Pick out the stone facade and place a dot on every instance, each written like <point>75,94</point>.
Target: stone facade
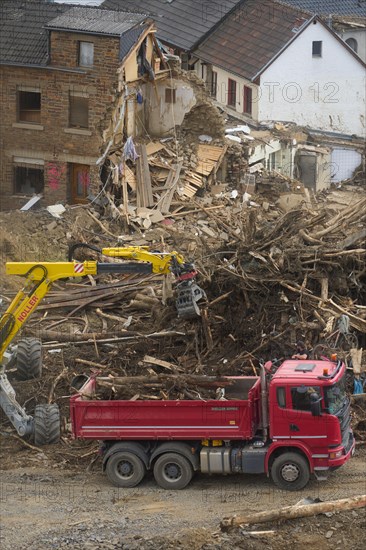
<point>54,143</point>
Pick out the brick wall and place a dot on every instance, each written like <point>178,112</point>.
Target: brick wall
<point>53,141</point>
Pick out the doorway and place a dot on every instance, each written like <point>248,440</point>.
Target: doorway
<point>79,183</point>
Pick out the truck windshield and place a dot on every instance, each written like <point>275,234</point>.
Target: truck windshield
<point>335,396</point>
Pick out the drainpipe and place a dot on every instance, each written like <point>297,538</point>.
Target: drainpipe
<point>264,403</point>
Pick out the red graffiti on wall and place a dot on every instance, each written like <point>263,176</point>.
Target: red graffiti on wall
<point>55,173</point>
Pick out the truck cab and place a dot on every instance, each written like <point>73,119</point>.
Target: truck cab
<point>309,414</point>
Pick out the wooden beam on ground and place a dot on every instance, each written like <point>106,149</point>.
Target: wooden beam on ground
<point>290,512</point>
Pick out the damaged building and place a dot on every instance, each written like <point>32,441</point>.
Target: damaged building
<point>59,85</point>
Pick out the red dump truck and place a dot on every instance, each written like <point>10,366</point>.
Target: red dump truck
<point>288,423</point>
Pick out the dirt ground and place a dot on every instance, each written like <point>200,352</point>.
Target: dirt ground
<point>46,506</point>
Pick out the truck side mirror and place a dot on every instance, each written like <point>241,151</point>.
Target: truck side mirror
<point>315,404</point>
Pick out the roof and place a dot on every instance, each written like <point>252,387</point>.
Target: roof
<point>251,36</point>
<point>292,369</point>
<point>23,39</point>
<point>129,39</point>
<point>25,26</point>
<point>96,21</point>
<point>180,23</point>
<point>330,7</point>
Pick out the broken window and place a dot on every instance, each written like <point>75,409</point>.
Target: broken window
<point>352,42</point>
<point>214,84</point>
<point>248,95</point>
<point>86,54</point>
<point>170,95</point>
<point>28,178</point>
<point>231,96</point>
<point>317,48</point>
<point>29,106</point>
<point>79,111</point>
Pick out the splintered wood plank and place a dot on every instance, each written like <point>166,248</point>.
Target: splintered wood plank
<point>153,147</point>
<point>130,178</point>
<point>144,196</point>
<point>170,186</point>
<point>209,158</point>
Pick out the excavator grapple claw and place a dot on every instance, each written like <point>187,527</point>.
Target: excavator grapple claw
<point>188,296</point>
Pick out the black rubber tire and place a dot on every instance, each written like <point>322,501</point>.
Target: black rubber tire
<point>125,469</point>
<point>29,359</point>
<point>47,426</point>
<point>173,471</point>
<point>292,466</point>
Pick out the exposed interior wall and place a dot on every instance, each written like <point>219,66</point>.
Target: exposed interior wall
<point>164,114</point>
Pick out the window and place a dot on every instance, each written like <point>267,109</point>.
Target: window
<point>301,397</point>
<point>248,94</point>
<point>281,397</point>
<point>79,111</point>
<point>29,107</point>
<point>317,48</point>
<point>352,42</point>
<point>231,96</point>
<point>214,84</point>
<point>170,95</point>
<point>28,178</point>
<point>86,54</point>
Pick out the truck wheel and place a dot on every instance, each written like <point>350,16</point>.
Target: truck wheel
<point>290,471</point>
<point>125,469</point>
<point>46,424</point>
<point>172,471</point>
<point>29,359</point>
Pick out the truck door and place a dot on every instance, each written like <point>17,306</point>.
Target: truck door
<point>291,417</point>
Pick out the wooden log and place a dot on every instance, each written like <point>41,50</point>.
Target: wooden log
<point>290,512</point>
<point>126,339</point>
<point>164,364</point>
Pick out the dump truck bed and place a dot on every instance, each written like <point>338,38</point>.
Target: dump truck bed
<point>236,417</point>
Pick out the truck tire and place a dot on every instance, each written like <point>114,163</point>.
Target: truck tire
<point>46,424</point>
<point>29,359</point>
<point>125,469</point>
<point>172,471</point>
<point>290,471</point>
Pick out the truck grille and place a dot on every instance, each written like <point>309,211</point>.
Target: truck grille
<point>345,423</point>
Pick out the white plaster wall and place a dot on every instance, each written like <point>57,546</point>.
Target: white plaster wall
<point>325,93</point>
<point>161,117</point>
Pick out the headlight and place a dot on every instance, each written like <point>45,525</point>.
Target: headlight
<point>337,454</point>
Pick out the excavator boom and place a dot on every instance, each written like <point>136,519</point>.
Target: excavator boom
<point>187,290</point>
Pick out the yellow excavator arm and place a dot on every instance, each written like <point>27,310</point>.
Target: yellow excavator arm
<point>39,278</point>
<point>152,261</point>
<point>161,262</point>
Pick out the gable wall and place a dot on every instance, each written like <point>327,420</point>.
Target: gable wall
<point>325,93</point>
